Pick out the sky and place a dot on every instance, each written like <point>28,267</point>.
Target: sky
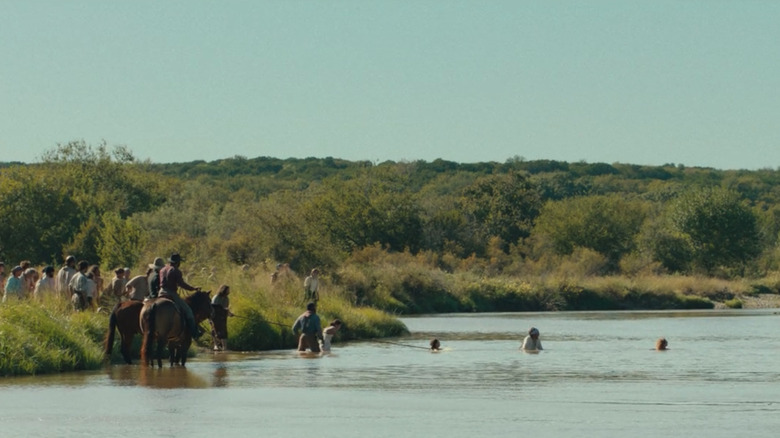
<point>639,82</point>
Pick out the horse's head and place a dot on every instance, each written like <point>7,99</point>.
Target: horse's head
<point>200,302</point>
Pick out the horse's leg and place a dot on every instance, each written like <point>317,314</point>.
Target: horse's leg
<point>160,345</point>
<point>183,349</point>
<point>127,341</point>
<point>172,353</point>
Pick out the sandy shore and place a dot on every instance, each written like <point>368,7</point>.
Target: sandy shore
<point>760,301</point>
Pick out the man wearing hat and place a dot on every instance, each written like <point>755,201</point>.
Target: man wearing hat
<point>153,279</point>
<point>13,287</point>
<point>67,272</point>
<point>171,279</point>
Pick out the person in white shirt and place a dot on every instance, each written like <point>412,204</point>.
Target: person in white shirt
<point>532,342</point>
<point>63,277</point>
<point>45,286</point>
<point>311,287</point>
<point>138,287</point>
<point>328,333</point>
<point>78,287</point>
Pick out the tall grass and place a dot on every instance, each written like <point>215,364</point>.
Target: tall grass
<point>265,312</point>
<point>38,338</point>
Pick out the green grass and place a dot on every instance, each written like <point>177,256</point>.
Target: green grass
<point>45,338</point>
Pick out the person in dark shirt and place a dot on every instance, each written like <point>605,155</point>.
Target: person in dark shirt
<point>171,279</point>
<point>310,327</point>
<point>154,277</point>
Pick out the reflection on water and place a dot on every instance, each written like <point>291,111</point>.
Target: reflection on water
<point>598,376</point>
<point>162,378</point>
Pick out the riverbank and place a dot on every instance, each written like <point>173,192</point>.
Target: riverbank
<point>48,337</point>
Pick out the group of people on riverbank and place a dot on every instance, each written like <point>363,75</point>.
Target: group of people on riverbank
<point>82,279</point>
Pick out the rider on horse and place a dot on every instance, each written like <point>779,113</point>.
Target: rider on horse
<point>171,280</point>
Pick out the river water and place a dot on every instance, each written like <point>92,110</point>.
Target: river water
<point>598,376</point>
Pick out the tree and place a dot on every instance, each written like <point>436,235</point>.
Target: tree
<point>371,208</point>
<point>37,215</point>
<point>605,224</point>
<point>120,241</point>
<point>722,230</point>
<point>503,205</point>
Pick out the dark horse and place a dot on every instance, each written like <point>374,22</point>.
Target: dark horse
<point>124,317</point>
<point>161,321</point>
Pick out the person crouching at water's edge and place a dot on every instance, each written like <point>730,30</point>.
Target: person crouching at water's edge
<point>532,342</point>
<point>310,327</point>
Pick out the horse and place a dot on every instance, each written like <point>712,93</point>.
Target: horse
<point>125,318</point>
<point>160,320</point>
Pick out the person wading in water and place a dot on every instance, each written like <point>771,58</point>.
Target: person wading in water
<point>310,327</point>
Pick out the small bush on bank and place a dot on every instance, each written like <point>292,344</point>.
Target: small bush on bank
<point>735,303</point>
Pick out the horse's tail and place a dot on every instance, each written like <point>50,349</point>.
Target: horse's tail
<point>151,327</point>
<point>109,342</point>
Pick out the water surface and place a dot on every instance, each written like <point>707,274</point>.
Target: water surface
<point>598,376</point>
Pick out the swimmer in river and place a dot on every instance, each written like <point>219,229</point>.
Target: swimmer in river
<point>435,345</point>
<point>661,344</point>
<point>532,342</point>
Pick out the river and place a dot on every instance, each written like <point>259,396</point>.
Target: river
<point>598,376</point>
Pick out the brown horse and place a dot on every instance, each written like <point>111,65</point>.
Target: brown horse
<point>160,320</point>
<point>125,318</point>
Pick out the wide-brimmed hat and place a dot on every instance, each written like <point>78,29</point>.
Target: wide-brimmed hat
<point>175,258</point>
<point>159,263</point>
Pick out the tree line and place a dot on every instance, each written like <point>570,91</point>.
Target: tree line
<point>513,218</point>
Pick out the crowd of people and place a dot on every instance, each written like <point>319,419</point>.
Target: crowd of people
<point>80,282</point>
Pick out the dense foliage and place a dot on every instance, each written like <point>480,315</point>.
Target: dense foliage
<point>514,219</point>
<point>390,238</point>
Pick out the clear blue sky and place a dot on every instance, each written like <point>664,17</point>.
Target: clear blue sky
<point>642,82</point>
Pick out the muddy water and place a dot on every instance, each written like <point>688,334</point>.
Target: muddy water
<point>598,376</point>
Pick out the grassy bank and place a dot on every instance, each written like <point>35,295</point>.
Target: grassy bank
<point>408,284</point>
<point>366,294</point>
<point>38,338</point>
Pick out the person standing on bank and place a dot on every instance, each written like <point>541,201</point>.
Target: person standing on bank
<point>14,286</point>
<point>78,286</point>
<point>311,287</point>
<point>171,280</point>
<point>310,327</point>
<point>64,275</point>
<point>532,342</point>
<point>117,286</point>
<point>45,286</point>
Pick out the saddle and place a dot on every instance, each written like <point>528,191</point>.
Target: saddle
<point>159,299</point>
